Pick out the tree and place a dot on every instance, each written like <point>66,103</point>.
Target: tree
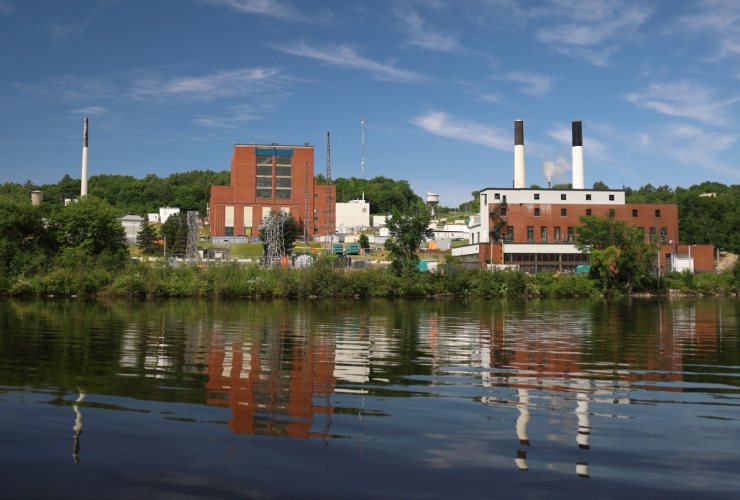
<point>24,241</point>
<point>90,227</point>
<point>175,232</point>
<point>408,228</point>
<point>600,186</point>
<point>619,252</point>
<point>282,225</point>
<point>364,242</point>
<point>146,237</point>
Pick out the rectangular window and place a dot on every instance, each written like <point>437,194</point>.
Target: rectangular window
<point>543,234</point>
<point>228,231</point>
<point>315,211</point>
<point>571,234</point>
<point>264,177</point>
<point>496,196</point>
<point>316,196</point>
<point>657,213</point>
<point>536,212</point>
<point>664,235</point>
<point>530,234</point>
<point>510,234</point>
<point>315,219</point>
<point>563,212</point>
<point>588,197</point>
<point>283,171</point>
<point>556,236</point>
<point>611,197</point>
<point>652,233</point>
<point>634,212</point>
<point>503,212</point>
<point>588,211</point>
<point>562,196</point>
<point>537,196</point>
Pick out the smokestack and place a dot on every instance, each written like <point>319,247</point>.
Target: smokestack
<point>519,155</point>
<point>578,155</point>
<point>83,187</point>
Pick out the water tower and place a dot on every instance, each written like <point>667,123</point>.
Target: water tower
<point>432,202</point>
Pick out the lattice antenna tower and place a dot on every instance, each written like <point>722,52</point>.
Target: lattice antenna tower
<point>306,213</point>
<point>192,248</point>
<point>271,229</point>
<point>329,211</point>
<point>363,148</point>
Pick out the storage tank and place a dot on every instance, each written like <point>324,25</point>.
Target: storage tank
<point>36,198</point>
<point>432,201</point>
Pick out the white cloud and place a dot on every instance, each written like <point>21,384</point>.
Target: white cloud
<point>345,56</point>
<point>720,19</point>
<point>270,8</point>
<point>425,38</point>
<point>690,146</point>
<point>535,85</point>
<point>89,111</point>
<point>684,99</point>
<point>593,30</point>
<point>439,123</point>
<point>591,147</point>
<point>236,116</point>
<point>223,84</point>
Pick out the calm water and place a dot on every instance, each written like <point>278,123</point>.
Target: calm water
<point>377,399</point>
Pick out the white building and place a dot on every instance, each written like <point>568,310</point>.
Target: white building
<point>352,216</point>
<point>131,224</point>
<point>166,212</point>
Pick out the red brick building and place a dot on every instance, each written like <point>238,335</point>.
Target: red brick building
<point>270,178</point>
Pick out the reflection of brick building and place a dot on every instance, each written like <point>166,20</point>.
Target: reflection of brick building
<point>267,178</point>
<point>265,397</point>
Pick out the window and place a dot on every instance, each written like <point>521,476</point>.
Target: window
<point>664,235</point>
<point>556,236</point>
<point>228,231</point>
<point>571,234</point>
<point>562,196</point>
<point>563,212</point>
<point>536,212</point>
<point>316,196</point>
<point>510,234</point>
<point>588,197</point>
<point>496,196</point>
<point>315,219</point>
<point>588,211</point>
<point>264,177</point>
<point>611,197</point>
<point>634,212</point>
<point>503,212</point>
<point>315,211</point>
<point>657,213</point>
<point>283,177</point>
<point>537,196</point>
<point>543,234</point>
<point>530,234</point>
<point>652,233</point>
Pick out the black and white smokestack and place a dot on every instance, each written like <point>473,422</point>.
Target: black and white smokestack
<point>578,177</point>
<point>519,182</point>
<point>83,183</point>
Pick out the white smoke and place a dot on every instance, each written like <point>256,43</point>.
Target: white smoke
<point>555,168</point>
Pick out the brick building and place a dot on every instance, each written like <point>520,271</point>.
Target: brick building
<point>534,229</point>
<point>267,178</point>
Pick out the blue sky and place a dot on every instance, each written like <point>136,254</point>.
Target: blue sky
<point>170,86</point>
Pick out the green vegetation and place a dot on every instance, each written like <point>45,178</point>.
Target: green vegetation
<point>408,229</point>
<point>381,193</point>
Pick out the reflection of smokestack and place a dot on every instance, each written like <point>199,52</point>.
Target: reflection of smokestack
<point>577,154</point>
<point>582,469</point>
<point>83,187</point>
<point>521,460</point>
<point>519,154</point>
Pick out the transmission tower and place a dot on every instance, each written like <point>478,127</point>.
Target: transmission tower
<point>192,249</point>
<point>329,211</point>
<point>271,229</point>
<point>363,148</point>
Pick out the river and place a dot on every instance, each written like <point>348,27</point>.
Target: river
<point>453,398</point>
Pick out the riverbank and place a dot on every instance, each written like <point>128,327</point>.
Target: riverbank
<point>324,280</point>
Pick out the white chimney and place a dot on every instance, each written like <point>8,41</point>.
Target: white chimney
<point>519,181</point>
<point>83,187</point>
<point>578,182</point>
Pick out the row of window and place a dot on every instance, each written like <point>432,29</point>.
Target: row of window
<point>564,212</point>
<point>281,167</point>
<point>545,257</point>
<point>563,197</point>
<point>569,237</point>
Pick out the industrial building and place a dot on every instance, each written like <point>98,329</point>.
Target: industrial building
<point>271,178</point>
<point>534,229</point>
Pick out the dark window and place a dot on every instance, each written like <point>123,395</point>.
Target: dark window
<point>556,237</point>
<point>562,196</point>
<point>536,212</point>
<point>563,212</point>
<point>537,196</point>
<point>228,231</point>
<point>611,197</point>
<point>283,170</point>
<point>588,197</point>
<point>634,212</point>
<point>496,196</point>
<point>510,234</point>
<point>588,211</point>
<point>571,234</point>
<point>543,234</point>
<point>657,213</point>
<point>264,177</point>
<point>503,212</point>
<point>315,196</point>
<point>652,233</point>
<point>663,234</point>
<point>530,234</point>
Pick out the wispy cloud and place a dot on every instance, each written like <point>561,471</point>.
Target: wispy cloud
<point>691,146</point>
<point>237,115</point>
<point>534,84</point>
<point>684,99</point>
<point>345,56</point>
<point>591,147</point>
<point>424,37</point>
<point>270,8</point>
<point>67,32</point>
<point>720,19</point>
<point>70,87</point>
<point>223,84</point>
<point>439,123</point>
<point>89,111</point>
<point>593,30</point>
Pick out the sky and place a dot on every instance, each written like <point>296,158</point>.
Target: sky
<point>171,85</point>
